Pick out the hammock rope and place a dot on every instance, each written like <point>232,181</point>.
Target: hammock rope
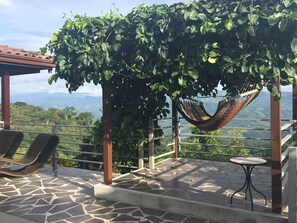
<point>194,112</point>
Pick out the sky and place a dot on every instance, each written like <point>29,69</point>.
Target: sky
<point>29,24</point>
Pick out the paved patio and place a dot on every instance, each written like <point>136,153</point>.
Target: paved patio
<point>196,187</point>
<point>69,198</point>
<point>200,180</point>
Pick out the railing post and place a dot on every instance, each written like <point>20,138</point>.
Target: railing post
<point>292,183</point>
<point>55,154</point>
<point>175,131</point>
<point>140,156</point>
<point>151,145</point>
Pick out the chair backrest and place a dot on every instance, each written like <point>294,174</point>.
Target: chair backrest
<point>39,144</point>
<point>52,143</point>
<point>9,142</point>
<point>47,150</point>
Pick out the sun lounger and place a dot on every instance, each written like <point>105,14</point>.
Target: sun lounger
<point>46,144</point>
<point>9,142</point>
<point>33,151</point>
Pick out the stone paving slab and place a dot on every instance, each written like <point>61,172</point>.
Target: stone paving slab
<point>69,198</point>
<point>5,218</point>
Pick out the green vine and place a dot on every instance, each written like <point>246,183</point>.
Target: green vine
<point>182,49</point>
<point>179,50</point>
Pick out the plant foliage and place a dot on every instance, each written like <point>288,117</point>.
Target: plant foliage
<point>179,50</point>
<point>182,49</point>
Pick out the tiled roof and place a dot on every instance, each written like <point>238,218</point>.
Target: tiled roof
<point>4,49</point>
<point>16,55</point>
<point>17,61</point>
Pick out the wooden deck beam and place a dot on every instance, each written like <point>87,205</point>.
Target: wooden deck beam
<point>276,153</point>
<point>5,84</point>
<point>107,141</point>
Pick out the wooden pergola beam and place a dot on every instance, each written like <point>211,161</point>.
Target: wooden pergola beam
<point>276,153</point>
<point>5,98</point>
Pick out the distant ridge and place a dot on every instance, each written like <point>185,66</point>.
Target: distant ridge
<point>81,102</point>
<point>259,108</point>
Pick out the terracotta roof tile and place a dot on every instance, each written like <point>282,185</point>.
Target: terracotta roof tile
<point>19,61</point>
<point>4,49</point>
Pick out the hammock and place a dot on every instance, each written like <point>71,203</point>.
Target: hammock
<point>194,112</point>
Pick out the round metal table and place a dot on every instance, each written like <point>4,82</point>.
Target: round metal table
<point>248,164</point>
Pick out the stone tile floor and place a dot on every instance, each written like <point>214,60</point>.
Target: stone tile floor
<point>201,180</point>
<point>69,198</point>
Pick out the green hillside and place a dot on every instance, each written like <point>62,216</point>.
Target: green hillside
<point>259,108</point>
<point>68,110</point>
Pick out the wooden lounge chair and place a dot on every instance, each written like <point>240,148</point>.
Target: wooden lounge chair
<point>33,151</point>
<point>46,148</point>
<point>9,142</point>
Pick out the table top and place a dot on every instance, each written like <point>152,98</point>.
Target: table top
<point>248,161</point>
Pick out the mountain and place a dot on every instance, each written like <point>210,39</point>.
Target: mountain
<point>81,102</point>
<point>259,108</point>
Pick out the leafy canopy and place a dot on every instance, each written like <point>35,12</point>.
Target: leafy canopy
<point>182,49</point>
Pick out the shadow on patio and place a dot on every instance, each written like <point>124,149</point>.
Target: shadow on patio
<point>69,198</point>
<point>200,180</point>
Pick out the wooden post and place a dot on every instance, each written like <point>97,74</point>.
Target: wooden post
<point>140,156</point>
<point>175,129</point>
<point>6,99</point>
<point>276,153</point>
<point>55,154</point>
<point>151,145</point>
<point>107,142</point>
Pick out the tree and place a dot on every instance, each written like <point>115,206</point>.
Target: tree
<point>24,113</point>
<point>85,118</point>
<point>179,50</point>
<point>182,49</point>
<point>210,148</point>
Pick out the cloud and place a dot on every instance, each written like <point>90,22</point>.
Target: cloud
<point>35,83</point>
<point>7,3</point>
<point>87,89</point>
<point>37,33</point>
<point>90,89</point>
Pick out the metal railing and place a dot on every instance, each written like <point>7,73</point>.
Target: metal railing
<point>74,137</point>
<point>166,149</point>
<point>289,154</point>
<point>289,170</point>
<point>292,179</point>
<point>228,142</point>
<point>189,142</point>
<point>75,148</point>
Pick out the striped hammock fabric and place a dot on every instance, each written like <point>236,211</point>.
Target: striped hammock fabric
<point>194,112</point>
